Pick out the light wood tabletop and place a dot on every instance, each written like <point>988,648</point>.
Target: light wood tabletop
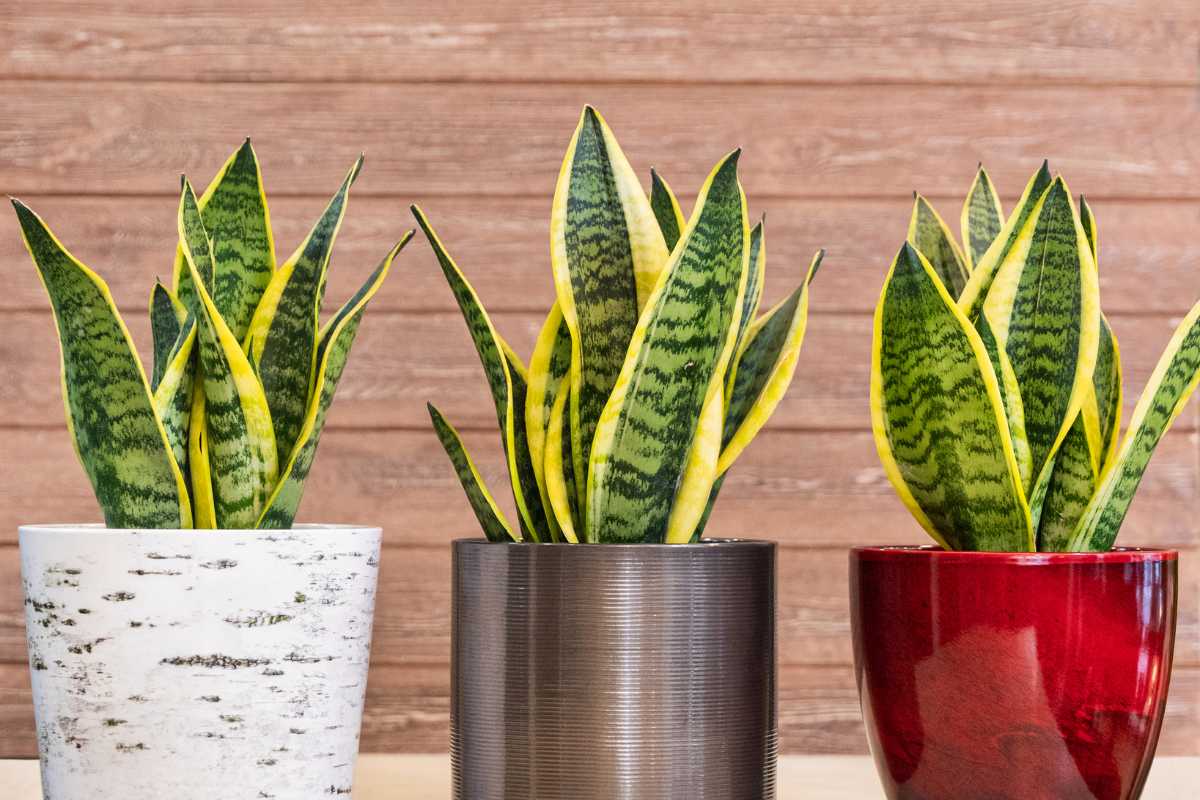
<point>427,777</point>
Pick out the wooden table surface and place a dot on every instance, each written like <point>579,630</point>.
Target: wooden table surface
<point>427,777</point>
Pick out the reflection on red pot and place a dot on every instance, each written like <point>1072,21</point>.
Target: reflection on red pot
<point>1032,676</point>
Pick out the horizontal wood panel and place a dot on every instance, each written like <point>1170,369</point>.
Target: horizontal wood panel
<point>412,620</point>
<point>503,245</point>
<point>426,140</point>
<point>801,488</point>
<point>408,710</point>
<point>402,360</point>
<point>677,41</point>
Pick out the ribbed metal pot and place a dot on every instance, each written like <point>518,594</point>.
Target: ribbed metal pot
<point>613,672</point>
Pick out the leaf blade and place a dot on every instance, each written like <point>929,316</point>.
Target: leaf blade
<point>982,218</point>
<point>928,232</point>
<point>491,518</point>
<point>666,210</point>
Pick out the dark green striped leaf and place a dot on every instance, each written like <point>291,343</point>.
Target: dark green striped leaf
<point>240,439</point>
<point>938,417</point>
<point>282,336</point>
<point>1088,221</point>
<point>928,232</point>
<point>666,210</point>
<point>174,393</point>
<point>490,517</point>
<point>335,340</point>
<point>563,501</point>
<point>982,218</point>
<point>606,251</point>
<point>505,384</point>
<point>550,363</point>
<point>984,271</point>
<point>165,323</point>
<point>754,287</point>
<point>678,354</point>
<point>1069,490</point>
<point>1010,396</point>
<point>194,236</point>
<point>1166,393</point>
<point>118,438</point>
<point>1106,383</point>
<point>1044,309</point>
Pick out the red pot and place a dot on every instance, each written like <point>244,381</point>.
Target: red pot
<point>1032,676</point>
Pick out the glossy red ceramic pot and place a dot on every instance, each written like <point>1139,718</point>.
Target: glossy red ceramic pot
<point>1030,676</point>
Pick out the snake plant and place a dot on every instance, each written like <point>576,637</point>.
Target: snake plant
<point>652,372</point>
<point>223,432</point>
<point>996,378</point>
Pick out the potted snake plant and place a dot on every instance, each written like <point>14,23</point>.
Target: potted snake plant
<point>1023,655</point>
<point>601,619</point>
<point>199,644</point>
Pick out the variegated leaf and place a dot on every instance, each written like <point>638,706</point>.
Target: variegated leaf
<point>1071,487</point>
<point>166,319</point>
<point>675,366</point>
<point>606,251</point>
<point>1010,395</point>
<point>938,417</point>
<point>334,341</point>
<point>173,396</point>
<point>754,289</point>
<point>110,412</point>
<point>281,339</point>
<point>1166,393</point>
<point>240,439</point>
<point>928,232</point>
<point>550,363</point>
<point>1088,220</point>
<point>982,218</point>
<point>204,504</point>
<point>504,385</point>
<point>557,467</point>
<point>666,210</point>
<point>491,518</point>
<point>1106,383</point>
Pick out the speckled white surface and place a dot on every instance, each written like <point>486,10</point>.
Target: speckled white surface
<point>198,664</point>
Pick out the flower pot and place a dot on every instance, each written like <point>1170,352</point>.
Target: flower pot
<point>1033,676</point>
<point>595,672</point>
<point>198,664</point>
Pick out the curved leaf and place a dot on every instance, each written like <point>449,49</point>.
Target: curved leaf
<point>699,471</point>
<point>1088,220</point>
<point>490,517</point>
<point>557,467</point>
<point>199,469</point>
<point>173,396</point>
<point>550,363</point>
<point>928,232</point>
<point>118,438</point>
<point>1071,487</point>
<point>676,364</point>
<point>982,218</point>
<point>166,320</point>
<point>1010,395</point>
<point>938,417</point>
<point>666,210</point>
<point>1106,383</point>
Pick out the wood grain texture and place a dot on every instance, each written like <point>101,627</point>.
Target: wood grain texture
<point>408,710</point>
<point>769,42</point>
<point>428,140</point>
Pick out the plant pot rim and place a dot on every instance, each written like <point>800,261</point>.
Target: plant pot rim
<point>99,527</point>
<point>703,544</point>
<point>913,553</point>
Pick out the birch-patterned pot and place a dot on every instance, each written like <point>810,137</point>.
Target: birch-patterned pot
<point>198,664</point>
<point>613,672</point>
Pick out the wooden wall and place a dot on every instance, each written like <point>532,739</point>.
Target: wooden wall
<point>842,108</point>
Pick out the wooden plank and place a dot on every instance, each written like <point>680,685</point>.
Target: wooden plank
<point>412,621</point>
<point>774,41</point>
<point>814,488</point>
<point>502,243</point>
<point>408,711</point>
<point>402,360</point>
<point>424,140</point>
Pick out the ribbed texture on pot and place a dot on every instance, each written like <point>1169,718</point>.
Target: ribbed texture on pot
<point>608,672</point>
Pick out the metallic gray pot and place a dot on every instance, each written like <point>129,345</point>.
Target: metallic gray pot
<point>613,672</point>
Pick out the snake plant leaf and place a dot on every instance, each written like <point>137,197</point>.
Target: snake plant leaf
<point>240,437</point>
<point>606,252</point>
<point>539,528</point>
<point>676,365</point>
<point>1088,220</point>
<point>1010,395</point>
<point>549,364</point>
<point>699,471</point>
<point>666,209</point>
<point>938,418</point>
<point>1044,309</point>
<point>335,340</point>
<point>765,368</point>
<point>928,232</point>
<point>194,236</point>
<point>984,271</point>
<point>281,339</point>
<point>1166,393</point>
<point>166,320</point>
<point>557,467</point>
<point>204,505</point>
<point>1070,488</point>
<point>490,517</point>
<point>234,211</point>
<point>982,218</point>
<point>110,412</point>
<point>1106,384</point>
<point>754,286</point>
<point>173,396</point>
<point>503,382</point>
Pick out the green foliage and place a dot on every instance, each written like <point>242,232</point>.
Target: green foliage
<point>223,433</point>
<point>996,379</point>
<point>651,373</point>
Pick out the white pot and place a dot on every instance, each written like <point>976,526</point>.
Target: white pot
<point>198,664</point>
